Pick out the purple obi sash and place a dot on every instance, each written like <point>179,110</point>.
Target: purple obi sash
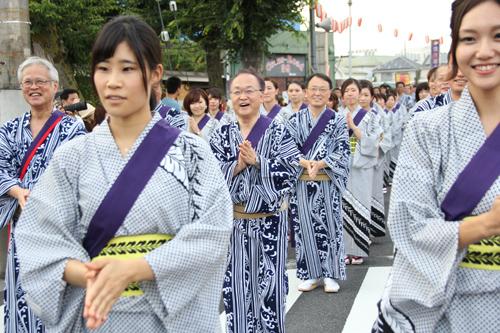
<point>203,121</point>
<point>317,130</point>
<point>47,128</point>
<point>258,130</point>
<point>474,181</point>
<point>124,192</point>
<point>357,119</point>
<point>274,111</point>
<point>219,115</point>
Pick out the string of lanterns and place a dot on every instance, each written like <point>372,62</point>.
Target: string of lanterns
<point>340,26</point>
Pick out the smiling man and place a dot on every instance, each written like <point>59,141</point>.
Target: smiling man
<point>315,205</point>
<point>260,163</point>
<point>27,144</point>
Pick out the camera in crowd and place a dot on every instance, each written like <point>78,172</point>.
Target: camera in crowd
<point>76,107</point>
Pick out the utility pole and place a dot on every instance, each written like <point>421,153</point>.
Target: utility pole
<point>314,62</point>
<point>350,25</point>
<point>15,47</point>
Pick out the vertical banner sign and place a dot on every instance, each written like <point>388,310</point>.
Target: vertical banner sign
<point>434,53</point>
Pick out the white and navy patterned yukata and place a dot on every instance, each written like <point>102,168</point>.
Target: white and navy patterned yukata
<point>186,197</point>
<point>15,139</point>
<point>428,290</point>
<point>174,117</point>
<point>255,285</point>
<point>316,206</point>
<point>430,103</point>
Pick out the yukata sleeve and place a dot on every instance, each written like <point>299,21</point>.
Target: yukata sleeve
<point>386,142</point>
<point>368,144</point>
<point>278,170</point>
<point>221,148</point>
<point>427,245</point>
<point>338,154</point>
<point>72,129</point>
<point>189,269</point>
<point>209,129</point>
<point>8,174</point>
<point>8,177</point>
<point>46,238</point>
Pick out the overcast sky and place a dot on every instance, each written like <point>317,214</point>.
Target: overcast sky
<point>421,17</point>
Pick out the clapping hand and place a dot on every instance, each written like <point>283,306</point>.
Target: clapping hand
<point>247,153</point>
<point>193,126</point>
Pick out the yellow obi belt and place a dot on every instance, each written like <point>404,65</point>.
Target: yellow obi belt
<point>132,247</point>
<point>353,141</point>
<point>239,212</point>
<point>320,177</point>
<point>483,255</point>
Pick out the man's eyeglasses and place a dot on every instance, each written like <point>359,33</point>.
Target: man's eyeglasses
<point>38,83</point>
<point>318,89</point>
<point>247,92</point>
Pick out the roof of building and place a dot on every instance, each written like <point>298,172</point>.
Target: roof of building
<point>363,61</point>
<point>398,64</point>
<point>289,42</point>
<point>186,76</point>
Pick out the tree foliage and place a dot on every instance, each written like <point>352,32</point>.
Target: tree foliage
<point>201,31</point>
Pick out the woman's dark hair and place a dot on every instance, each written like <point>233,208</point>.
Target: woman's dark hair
<point>333,98</point>
<point>347,83</point>
<point>381,96</point>
<point>300,84</point>
<point>421,86</point>
<point>391,94</point>
<point>431,74</point>
<point>215,92</point>
<point>458,10</point>
<point>368,85</point>
<point>322,77</point>
<point>139,36</point>
<point>192,97</point>
<point>275,84</point>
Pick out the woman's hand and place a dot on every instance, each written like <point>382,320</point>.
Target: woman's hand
<point>21,194</point>
<point>193,125</point>
<point>493,218</point>
<point>106,281</point>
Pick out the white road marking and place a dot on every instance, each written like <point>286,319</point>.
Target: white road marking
<point>364,310</point>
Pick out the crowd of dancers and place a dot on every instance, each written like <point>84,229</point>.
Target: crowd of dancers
<point>142,223</point>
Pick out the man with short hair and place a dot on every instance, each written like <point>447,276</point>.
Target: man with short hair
<point>404,97</point>
<point>259,160</point>
<point>69,96</point>
<point>173,85</point>
<point>315,203</point>
<point>27,143</point>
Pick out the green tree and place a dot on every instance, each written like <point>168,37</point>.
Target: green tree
<point>240,27</point>
<point>66,30</point>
